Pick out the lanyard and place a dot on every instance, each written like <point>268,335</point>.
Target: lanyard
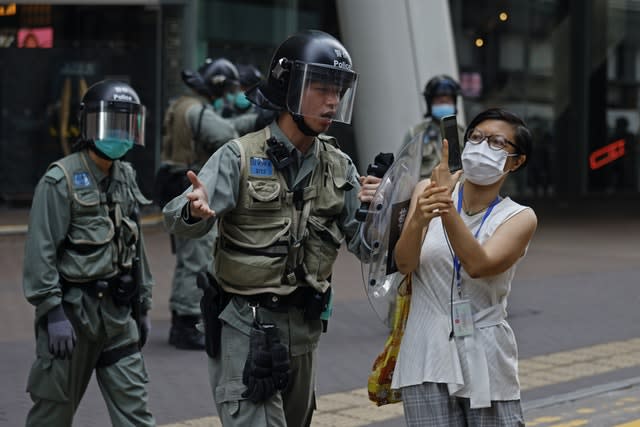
<point>456,261</point>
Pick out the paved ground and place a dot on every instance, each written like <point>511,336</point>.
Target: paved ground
<point>574,309</point>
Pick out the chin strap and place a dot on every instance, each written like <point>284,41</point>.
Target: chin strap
<point>299,120</point>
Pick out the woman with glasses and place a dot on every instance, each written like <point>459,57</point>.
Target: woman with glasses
<point>458,362</point>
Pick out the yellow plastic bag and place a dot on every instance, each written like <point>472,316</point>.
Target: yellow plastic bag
<point>379,384</point>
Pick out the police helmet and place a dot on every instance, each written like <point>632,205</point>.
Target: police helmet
<point>439,86</point>
<point>111,110</point>
<point>249,75</point>
<point>306,58</point>
<point>213,78</point>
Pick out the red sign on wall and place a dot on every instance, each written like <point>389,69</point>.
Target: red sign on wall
<point>607,154</point>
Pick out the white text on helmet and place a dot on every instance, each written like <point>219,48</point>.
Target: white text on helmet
<point>123,93</point>
<point>341,64</point>
<point>122,97</point>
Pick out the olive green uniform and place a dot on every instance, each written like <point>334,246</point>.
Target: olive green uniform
<point>193,131</point>
<point>431,136</point>
<point>81,231</point>
<point>252,205</point>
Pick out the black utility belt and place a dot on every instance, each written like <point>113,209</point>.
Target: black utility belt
<point>277,302</point>
<point>95,288</point>
<point>305,298</point>
<point>121,288</point>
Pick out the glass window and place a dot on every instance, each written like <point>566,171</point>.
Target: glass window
<point>571,70</point>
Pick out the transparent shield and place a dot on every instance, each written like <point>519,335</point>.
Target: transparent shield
<point>383,224</point>
<point>321,91</point>
<point>111,120</point>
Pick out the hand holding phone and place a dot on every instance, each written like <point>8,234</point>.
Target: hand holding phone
<point>449,128</point>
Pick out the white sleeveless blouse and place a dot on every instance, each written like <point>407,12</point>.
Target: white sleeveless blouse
<point>484,367</point>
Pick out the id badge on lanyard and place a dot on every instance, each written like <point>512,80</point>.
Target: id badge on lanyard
<point>462,316</point>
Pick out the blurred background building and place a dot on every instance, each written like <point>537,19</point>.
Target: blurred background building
<point>571,68</point>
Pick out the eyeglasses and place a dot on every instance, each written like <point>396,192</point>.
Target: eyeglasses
<point>496,142</point>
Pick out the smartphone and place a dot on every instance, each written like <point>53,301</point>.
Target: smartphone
<point>449,128</point>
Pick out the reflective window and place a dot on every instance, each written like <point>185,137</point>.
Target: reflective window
<point>571,70</point>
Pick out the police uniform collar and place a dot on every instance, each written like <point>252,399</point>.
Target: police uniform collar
<point>95,171</point>
<point>280,136</point>
<point>277,133</point>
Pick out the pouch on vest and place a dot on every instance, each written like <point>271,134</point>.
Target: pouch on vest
<point>330,199</point>
<point>264,194</point>
<point>129,236</point>
<point>253,253</point>
<point>321,247</point>
<point>89,249</point>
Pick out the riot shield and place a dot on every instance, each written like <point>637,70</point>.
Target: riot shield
<point>383,224</point>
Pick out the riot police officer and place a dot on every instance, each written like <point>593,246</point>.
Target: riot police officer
<point>285,199</point>
<point>441,96</point>
<point>193,129</point>
<point>249,76</point>
<point>86,271</point>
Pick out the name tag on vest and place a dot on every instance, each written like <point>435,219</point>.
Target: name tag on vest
<point>260,167</point>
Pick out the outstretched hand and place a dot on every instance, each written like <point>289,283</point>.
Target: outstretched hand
<point>441,174</point>
<point>198,198</point>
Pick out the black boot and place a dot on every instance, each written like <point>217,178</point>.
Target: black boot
<point>183,333</point>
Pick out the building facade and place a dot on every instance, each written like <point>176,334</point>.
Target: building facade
<point>570,68</point>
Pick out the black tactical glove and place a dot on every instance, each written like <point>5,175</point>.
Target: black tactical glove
<point>257,373</point>
<point>62,338</point>
<point>279,358</point>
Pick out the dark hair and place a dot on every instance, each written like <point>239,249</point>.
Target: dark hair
<point>79,145</point>
<point>523,138</point>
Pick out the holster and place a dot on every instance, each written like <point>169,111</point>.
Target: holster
<point>213,301</point>
<point>124,289</point>
<point>315,303</point>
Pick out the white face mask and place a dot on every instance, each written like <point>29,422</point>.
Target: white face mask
<point>481,164</point>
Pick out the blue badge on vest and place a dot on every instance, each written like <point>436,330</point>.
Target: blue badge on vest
<point>260,167</point>
<point>81,180</point>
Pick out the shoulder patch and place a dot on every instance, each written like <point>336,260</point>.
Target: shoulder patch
<point>81,179</point>
<point>55,174</point>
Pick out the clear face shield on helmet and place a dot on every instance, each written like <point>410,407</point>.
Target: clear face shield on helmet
<point>114,121</point>
<point>321,91</point>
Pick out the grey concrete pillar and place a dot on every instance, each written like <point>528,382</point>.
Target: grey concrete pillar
<point>396,46</point>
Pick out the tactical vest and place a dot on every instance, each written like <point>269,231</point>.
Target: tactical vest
<point>276,239</point>
<point>178,140</point>
<point>102,236</point>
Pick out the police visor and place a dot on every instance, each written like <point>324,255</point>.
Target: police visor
<point>114,120</point>
<point>318,90</point>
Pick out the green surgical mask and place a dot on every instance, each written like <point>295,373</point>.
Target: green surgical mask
<point>242,102</point>
<point>218,104</point>
<point>114,148</point>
